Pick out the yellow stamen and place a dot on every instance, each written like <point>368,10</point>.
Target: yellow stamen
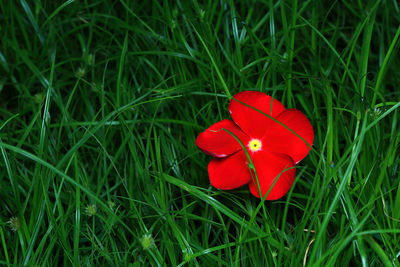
<point>254,145</point>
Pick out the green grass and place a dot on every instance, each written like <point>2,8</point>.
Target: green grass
<point>101,102</point>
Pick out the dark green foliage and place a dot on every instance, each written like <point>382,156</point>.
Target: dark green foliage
<point>101,101</point>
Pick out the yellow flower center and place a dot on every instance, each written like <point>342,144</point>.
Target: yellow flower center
<point>254,145</point>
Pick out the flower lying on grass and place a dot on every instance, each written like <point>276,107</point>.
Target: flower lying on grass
<point>272,143</point>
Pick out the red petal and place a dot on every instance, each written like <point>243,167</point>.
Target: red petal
<point>280,140</point>
<point>230,172</point>
<point>217,142</point>
<point>253,122</point>
<point>271,167</point>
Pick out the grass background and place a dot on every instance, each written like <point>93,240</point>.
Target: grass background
<point>101,101</point>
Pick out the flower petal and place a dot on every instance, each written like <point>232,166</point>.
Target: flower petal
<point>230,172</point>
<point>217,142</point>
<point>280,140</point>
<point>251,121</point>
<point>271,167</point>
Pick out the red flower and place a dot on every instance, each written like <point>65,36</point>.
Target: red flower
<point>273,149</point>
